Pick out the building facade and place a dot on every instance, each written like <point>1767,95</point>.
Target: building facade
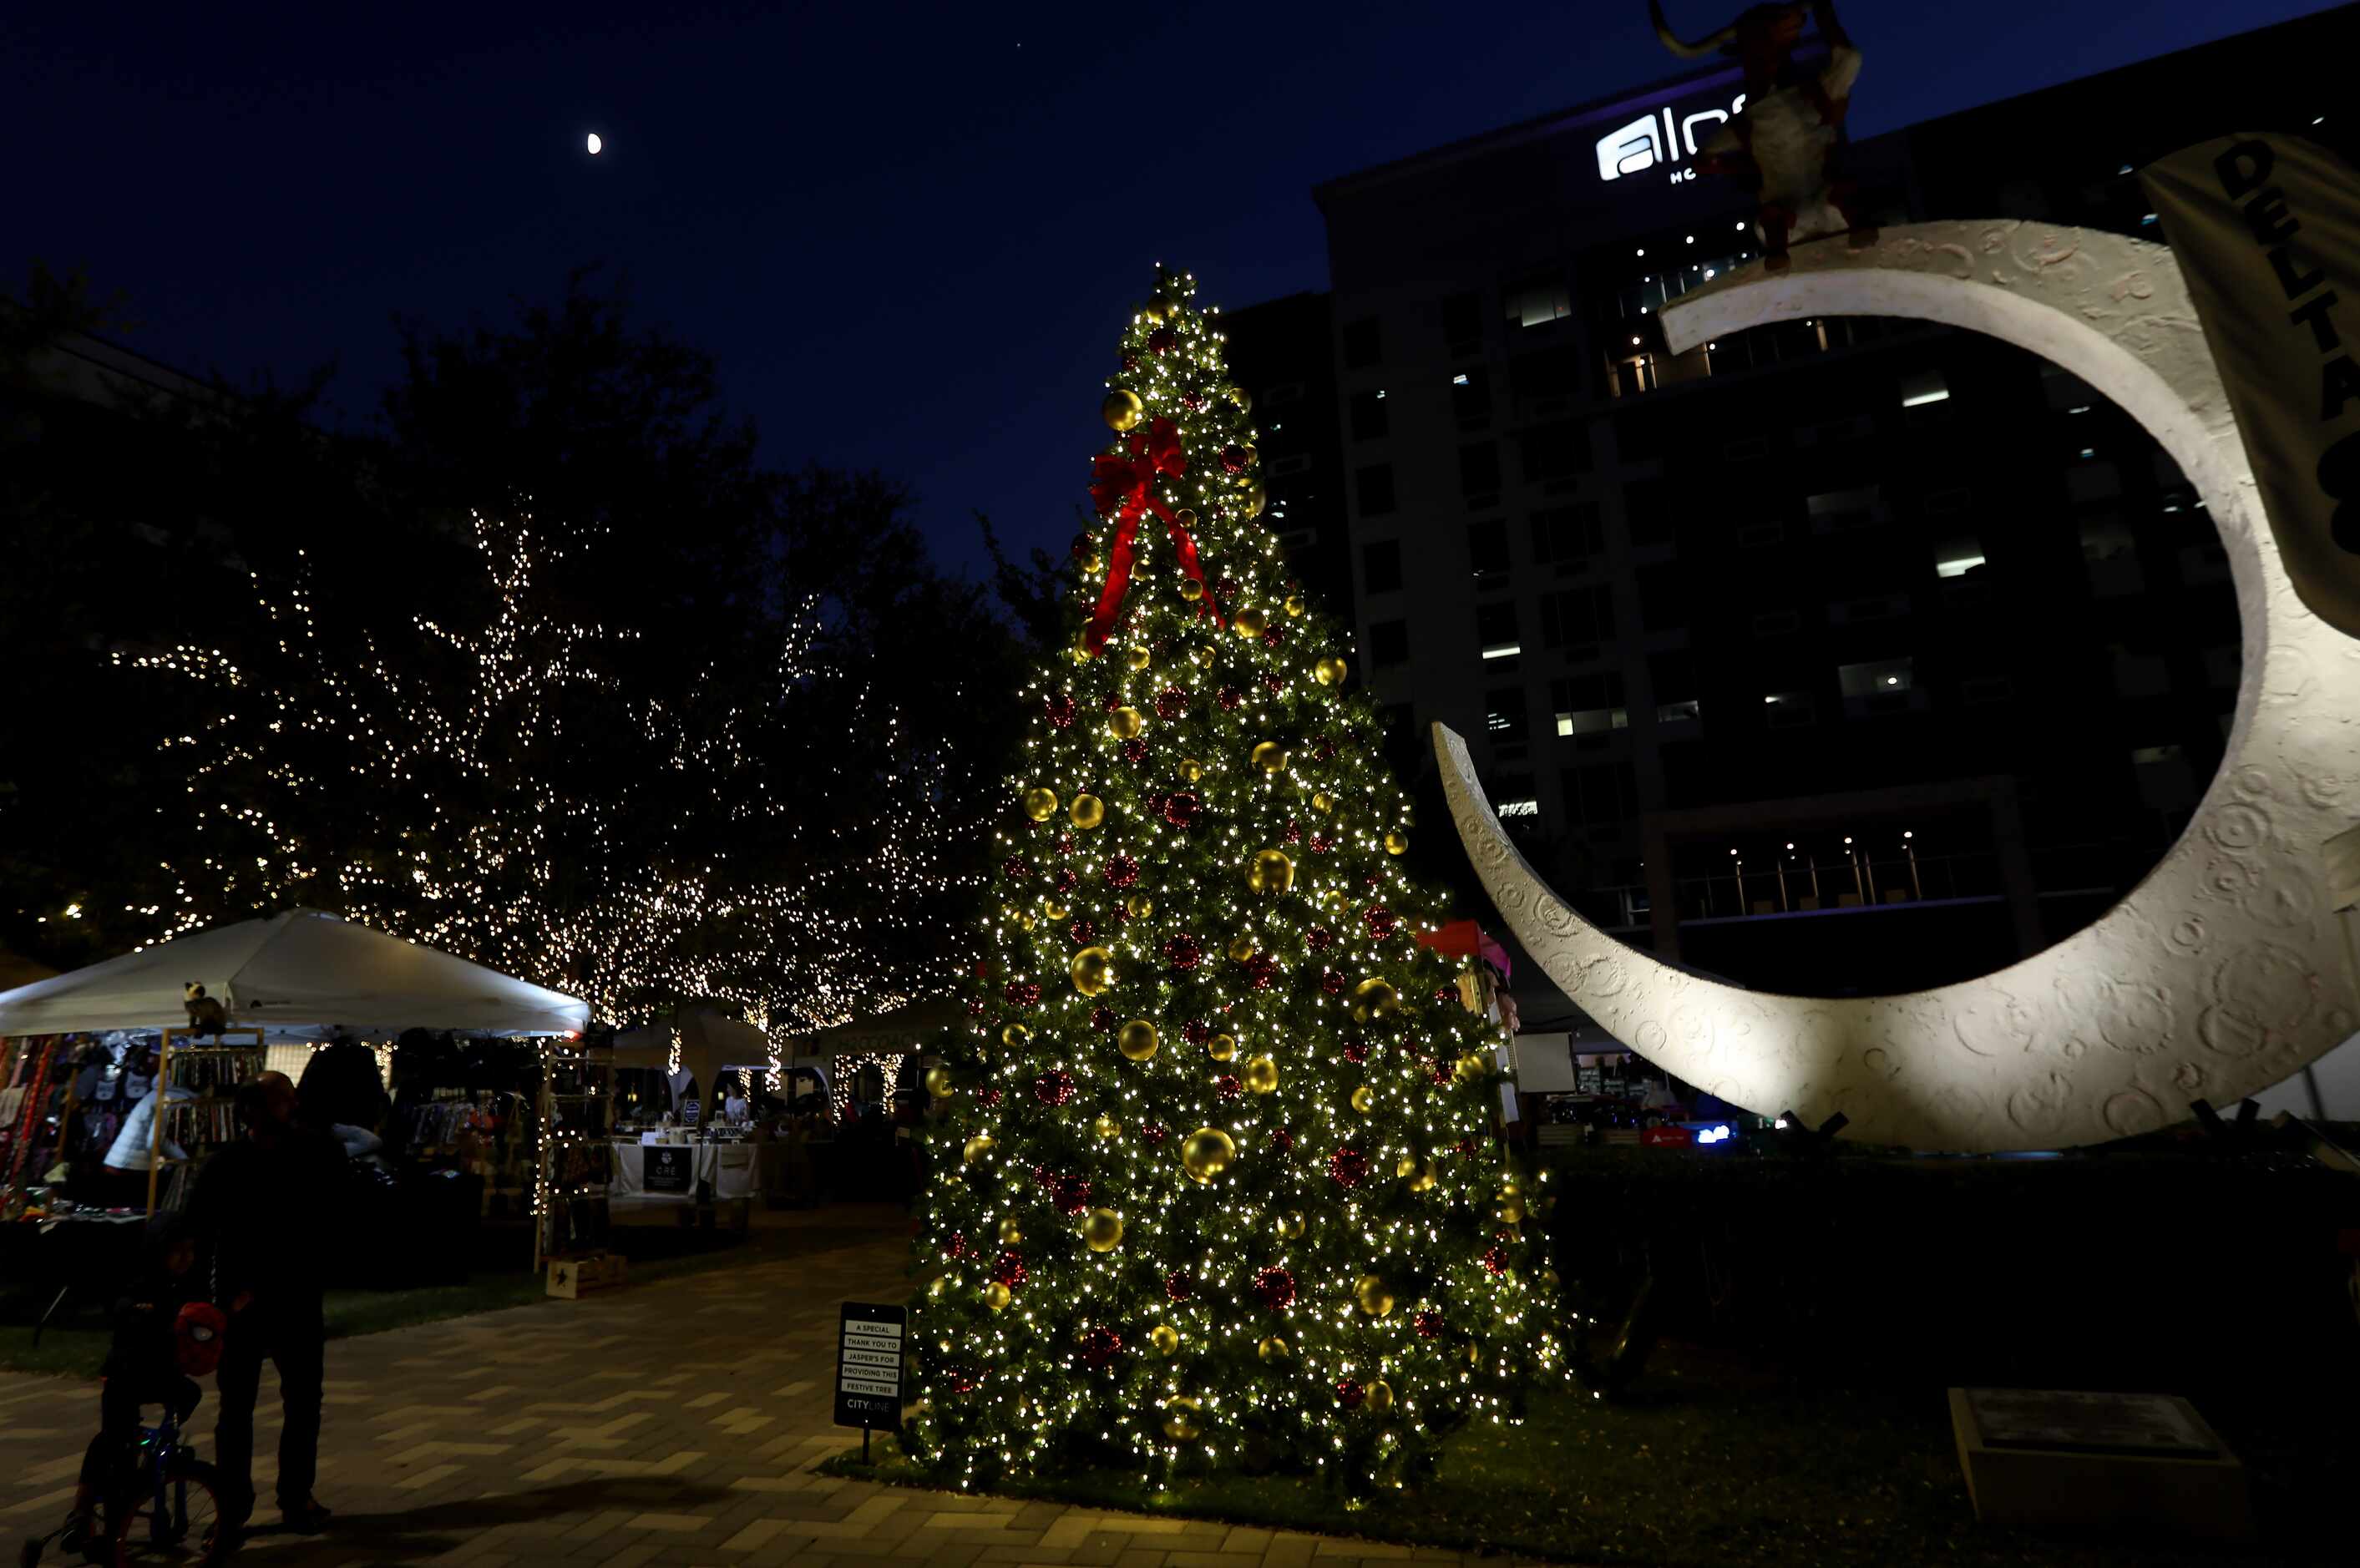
<point>1838,655</point>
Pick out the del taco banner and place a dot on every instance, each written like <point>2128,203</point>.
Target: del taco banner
<point>2267,231</point>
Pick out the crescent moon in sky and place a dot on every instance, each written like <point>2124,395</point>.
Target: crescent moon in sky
<point>2223,971</point>
<point>595,145</point>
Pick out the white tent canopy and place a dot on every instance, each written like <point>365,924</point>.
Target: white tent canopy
<point>710,1043</point>
<point>299,968</point>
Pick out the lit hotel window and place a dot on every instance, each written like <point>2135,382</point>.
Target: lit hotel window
<point>1526,808</point>
<point>1539,302</point>
<point>1495,631</point>
<point>1593,720</point>
<point>1921,387</point>
<point>1956,558</point>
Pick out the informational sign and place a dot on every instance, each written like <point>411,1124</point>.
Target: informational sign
<point>868,1364</point>
<point>2266,232</point>
<point>670,1167</point>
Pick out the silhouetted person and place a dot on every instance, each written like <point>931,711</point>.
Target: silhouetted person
<point>264,1207</point>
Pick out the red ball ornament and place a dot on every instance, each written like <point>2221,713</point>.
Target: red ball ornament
<point>1274,635</point>
<point>1261,970</point>
<point>1070,1194</point>
<point>1196,1031</point>
<point>1428,1323</point>
<point>1053,1088</point>
<point>1318,939</point>
<point>1440,1072</point>
<point>1103,1019</point>
<point>1294,832</point>
<point>1282,1139</point>
<point>1230,698</point>
<point>1274,1288</point>
<point>1121,871</point>
<point>1081,546</point>
<point>1321,844</point>
<point>1182,809</point>
<point>1023,993</point>
<point>1099,1347</point>
<point>1379,922</point>
<point>989,1098</point>
<point>1326,749</point>
<point>1064,843</point>
<point>1184,953</point>
<point>1163,339</point>
<point>1130,362</point>
<point>1060,708</point>
<point>1274,683</point>
<point>1170,703</point>
<point>1154,1133</point>
<point>1446,992</point>
<point>1356,1051</point>
<point>1014,868</point>
<point>1349,1167</point>
<point>982,969</point>
<point>1010,1270</point>
<point>1495,1259</point>
<point>1065,881</point>
<point>962,1379</point>
<point>956,1248</point>
<point>1084,932</point>
<point>1227,588</point>
<point>1228,1086</point>
<point>1179,1285</point>
<point>1135,751</point>
<point>1234,459</point>
<point>975,1007</point>
<point>1349,1393</point>
<point>1332,982</point>
<point>1193,401</point>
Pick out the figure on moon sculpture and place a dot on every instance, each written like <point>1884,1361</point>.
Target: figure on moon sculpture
<point>1785,145</point>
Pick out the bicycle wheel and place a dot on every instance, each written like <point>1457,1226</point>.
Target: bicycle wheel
<point>185,1526</point>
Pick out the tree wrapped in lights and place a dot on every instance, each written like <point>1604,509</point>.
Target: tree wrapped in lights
<point>514,784</point>
<point>1213,1179</point>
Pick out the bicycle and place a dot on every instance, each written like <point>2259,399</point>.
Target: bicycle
<point>161,1505</point>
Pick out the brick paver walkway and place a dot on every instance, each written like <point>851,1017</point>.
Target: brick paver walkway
<point>676,1422</point>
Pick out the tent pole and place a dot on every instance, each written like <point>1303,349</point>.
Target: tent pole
<point>155,1123</point>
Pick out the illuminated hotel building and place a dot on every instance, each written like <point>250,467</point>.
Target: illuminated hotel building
<point>1903,599</point>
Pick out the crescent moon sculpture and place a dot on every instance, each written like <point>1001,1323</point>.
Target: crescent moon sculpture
<point>2223,971</point>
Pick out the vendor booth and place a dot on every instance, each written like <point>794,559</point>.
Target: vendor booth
<point>691,1129</point>
<point>118,1079</point>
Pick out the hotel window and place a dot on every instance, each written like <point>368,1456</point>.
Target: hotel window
<point>1381,567</point>
<point>1503,715</point>
<point>1787,710</point>
<point>1957,557</point>
<point>1369,421</point>
<point>2110,555</point>
<point>1833,511</point>
<point>1920,387</point>
<point>1479,469</point>
<point>1375,485</point>
<point>1565,534</point>
<point>1573,617</point>
<point>1537,301</point>
<point>1470,397</point>
<point>1486,548</point>
<point>1389,642</point>
<point>1363,345</point>
<point>1588,704</point>
<point>1495,630</point>
<point>1462,323</point>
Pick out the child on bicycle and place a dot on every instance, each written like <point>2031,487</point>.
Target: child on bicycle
<point>162,1331</point>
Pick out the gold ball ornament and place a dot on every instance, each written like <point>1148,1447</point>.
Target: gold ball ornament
<point>1271,872</point>
<point>1137,657</point>
<point>1261,1076</point>
<point>1191,770</point>
<point>997,1296</point>
<point>1374,1296</point>
<point>1295,606</point>
<point>1373,997</point>
<point>1222,1047</point>
<point>1472,1066</point>
<point>1137,1041</point>
<point>1331,672</point>
<point>1208,1153</point>
<point>1139,906</point>
<point>1014,1035</point>
<point>1124,724</point>
<point>1106,1128</point>
<point>938,1081</point>
<point>1364,1099</point>
<point>1270,757</point>
<point>1191,590</point>
<point>937,1286</point>
<point>1088,812</point>
<point>1256,499</point>
<point>1166,1338</point>
<point>1290,1226</point>
<point>1011,1233</point>
<point>1092,564</point>
<point>1153,312</point>
<point>1181,1418</point>
<point>1024,918</point>
<point>1251,621</point>
<point>976,1149</point>
<point>1243,946</point>
<point>1055,911</point>
<point>1093,970</point>
<point>1122,409</point>
<point>1511,1208</point>
<point>1202,656</point>
<point>1186,517</point>
<point>1380,1397</point>
<point>1040,804</point>
<point>1420,1174</point>
<point>1240,397</point>
<point>1396,843</point>
<point>1474,1356</point>
<point>1102,1232</point>
<point>1272,1349</point>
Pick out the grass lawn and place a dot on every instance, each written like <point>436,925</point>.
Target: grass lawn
<point>1716,1461</point>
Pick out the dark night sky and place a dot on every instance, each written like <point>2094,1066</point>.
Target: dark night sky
<point>909,234</point>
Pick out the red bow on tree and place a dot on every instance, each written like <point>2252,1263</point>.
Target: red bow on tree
<point>1123,487</point>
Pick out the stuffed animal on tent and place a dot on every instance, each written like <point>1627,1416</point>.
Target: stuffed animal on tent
<point>206,1015</point>
<point>1785,144</point>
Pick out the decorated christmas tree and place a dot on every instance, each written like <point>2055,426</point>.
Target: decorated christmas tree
<point>1213,1179</point>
